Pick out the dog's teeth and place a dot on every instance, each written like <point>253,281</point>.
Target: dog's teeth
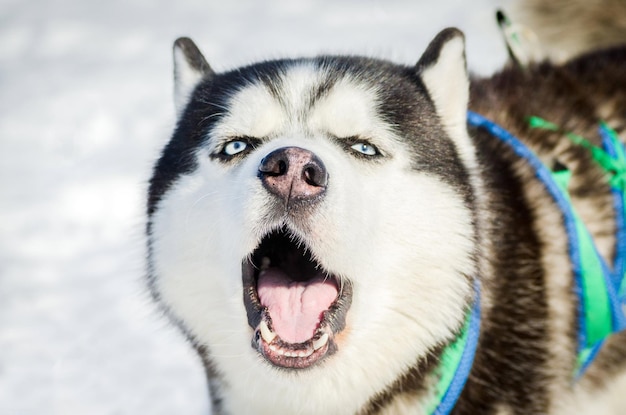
<point>305,353</point>
<point>266,333</point>
<point>321,342</point>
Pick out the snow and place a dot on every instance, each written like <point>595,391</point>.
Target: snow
<point>86,105</point>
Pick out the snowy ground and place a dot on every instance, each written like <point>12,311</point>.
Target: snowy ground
<point>85,105</point>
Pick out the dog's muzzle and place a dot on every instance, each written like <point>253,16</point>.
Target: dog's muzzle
<point>294,305</point>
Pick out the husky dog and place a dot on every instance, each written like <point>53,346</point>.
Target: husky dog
<point>329,232</point>
<point>566,28</point>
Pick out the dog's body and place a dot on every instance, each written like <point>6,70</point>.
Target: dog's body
<point>321,228</point>
<point>566,28</point>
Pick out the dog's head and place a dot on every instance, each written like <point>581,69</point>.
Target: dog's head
<point>312,219</point>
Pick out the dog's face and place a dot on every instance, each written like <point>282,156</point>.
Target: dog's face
<point>310,221</point>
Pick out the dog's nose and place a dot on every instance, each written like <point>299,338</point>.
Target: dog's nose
<point>293,174</point>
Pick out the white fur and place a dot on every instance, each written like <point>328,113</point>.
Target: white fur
<point>253,112</point>
<point>404,253</point>
<point>348,111</point>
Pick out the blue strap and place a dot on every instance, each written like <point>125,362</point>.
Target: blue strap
<point>464,367</point>
<point>471,331</point>
<point>545,176</point>
<point>588,348</point>
<point>615,149</point>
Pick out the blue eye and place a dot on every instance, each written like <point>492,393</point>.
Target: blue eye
<point>364,148</point>
<point>234,147</point>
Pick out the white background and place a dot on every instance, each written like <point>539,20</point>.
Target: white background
<point>85,106</point>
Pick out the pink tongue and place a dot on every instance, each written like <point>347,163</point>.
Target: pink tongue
<point>296,308</point>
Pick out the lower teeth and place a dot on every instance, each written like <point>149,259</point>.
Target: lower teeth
<point>269,336</point>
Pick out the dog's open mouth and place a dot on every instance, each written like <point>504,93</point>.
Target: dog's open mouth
<point>294,306</point>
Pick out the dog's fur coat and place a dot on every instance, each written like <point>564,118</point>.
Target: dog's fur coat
<point>404,208</point>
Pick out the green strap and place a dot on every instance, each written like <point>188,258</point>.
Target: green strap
<point>450,360</point>
<point>620,159</point>
<point>596,302</point>
<point>616,168</point>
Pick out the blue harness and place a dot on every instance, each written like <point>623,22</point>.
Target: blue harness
<point>601,289</point>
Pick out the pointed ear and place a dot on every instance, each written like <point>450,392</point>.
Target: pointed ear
<point>443,70</point>
<point>190,68</point>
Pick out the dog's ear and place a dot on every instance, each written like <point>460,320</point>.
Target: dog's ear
<point>190,68</point>
<point>443,70</point>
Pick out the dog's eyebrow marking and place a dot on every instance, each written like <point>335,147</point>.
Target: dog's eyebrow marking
<point>323,88</point>
<point>254,112</point>
<point>345,110</point>
<point>273,80</point>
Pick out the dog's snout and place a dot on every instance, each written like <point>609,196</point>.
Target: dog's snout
<point>293,173</point>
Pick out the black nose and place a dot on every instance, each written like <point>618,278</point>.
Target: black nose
<point>293,174</point>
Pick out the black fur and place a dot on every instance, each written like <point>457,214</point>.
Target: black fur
<point>404,104</point>
<point>510,367</point>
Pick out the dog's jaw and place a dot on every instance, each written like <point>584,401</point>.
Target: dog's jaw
<point>293,305</point>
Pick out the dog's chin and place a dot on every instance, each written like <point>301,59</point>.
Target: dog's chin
<point>295,307</point>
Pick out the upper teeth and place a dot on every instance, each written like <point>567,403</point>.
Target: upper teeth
<point>267,334</point>
<point>319,343</point>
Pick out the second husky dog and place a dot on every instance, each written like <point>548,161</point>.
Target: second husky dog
<point>335,238</point>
